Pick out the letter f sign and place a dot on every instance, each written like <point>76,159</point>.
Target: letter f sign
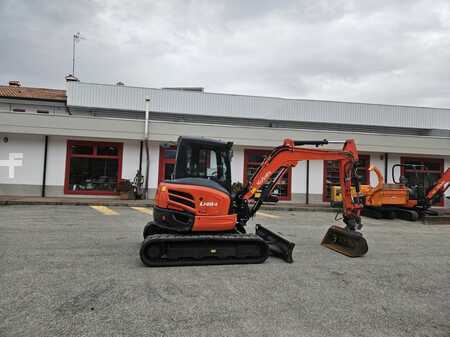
<point>15,160</point>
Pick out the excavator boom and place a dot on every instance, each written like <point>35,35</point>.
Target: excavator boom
<point>348,240</point>
<point>440,187</point>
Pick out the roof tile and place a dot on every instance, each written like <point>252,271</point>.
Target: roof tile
<point>9,91</point>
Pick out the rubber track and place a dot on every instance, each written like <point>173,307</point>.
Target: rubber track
<point>211,241</point>
<point>406,214</point>
<point>372,213</point>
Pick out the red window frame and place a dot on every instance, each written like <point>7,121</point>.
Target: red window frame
<point>423,160</point>
<point>163,161</point>
<point>95,145</point>
<point>248,153</point>
<point>325,197</point>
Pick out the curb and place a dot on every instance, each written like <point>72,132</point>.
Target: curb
<point>150,203</point>
<point>441,219</point>
<point>74,203</point>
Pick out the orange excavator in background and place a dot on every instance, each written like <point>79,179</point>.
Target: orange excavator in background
<point>400,199</point>
<point>197,220</point>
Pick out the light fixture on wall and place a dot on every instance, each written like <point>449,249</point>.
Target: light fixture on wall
<point>168,145</point>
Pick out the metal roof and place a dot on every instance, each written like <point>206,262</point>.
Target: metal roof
<point>89,95</point>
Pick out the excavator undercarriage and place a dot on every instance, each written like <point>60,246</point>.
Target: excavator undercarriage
<point>162,247</point>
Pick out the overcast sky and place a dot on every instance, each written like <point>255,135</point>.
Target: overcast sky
<point>381,51</point>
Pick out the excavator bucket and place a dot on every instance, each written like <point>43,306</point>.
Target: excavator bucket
<point>278,246</point>
<point>346,242</point>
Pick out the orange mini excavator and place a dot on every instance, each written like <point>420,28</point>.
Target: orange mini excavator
<point>402,199</point>
<point>197,220</point>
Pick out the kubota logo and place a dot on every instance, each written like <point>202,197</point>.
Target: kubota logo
<point>208,204</point>
<point>264,178</point>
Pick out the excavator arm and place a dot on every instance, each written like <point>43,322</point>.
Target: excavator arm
<point>440,187</point>
<point>346,241</point>
<point>288,155</point>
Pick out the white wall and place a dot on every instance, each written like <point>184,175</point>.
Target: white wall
<point>33,106</point>
<point>299,178</point>
<point>130,159</point>
<point>316,177</point>
<point>237,165</point>
<point>153,165</point>
<point>56,160</point>
<point>393,159</point>
<point>376,159</point>
<point>32,147</point>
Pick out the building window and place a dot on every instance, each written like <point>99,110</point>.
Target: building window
<point>427,172</point>
<point>93,167</point>
<point>252,159</point>
<point>331,174</point>
<point>18,110</point>
<point>42,111</point>
<point>167,156</point>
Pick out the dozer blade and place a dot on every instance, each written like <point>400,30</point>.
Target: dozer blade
<point>346,242</point>
<point>278,246</point>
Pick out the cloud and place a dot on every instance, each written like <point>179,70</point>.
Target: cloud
<point>372,51</point>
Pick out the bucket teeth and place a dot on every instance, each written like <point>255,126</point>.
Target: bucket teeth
<point>349,243</point>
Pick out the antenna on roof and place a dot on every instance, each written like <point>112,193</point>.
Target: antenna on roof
<point>76,38</point>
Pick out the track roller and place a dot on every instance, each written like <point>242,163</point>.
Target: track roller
<point>372,213</point>
<point>406,214</point>
<point>389,214</point>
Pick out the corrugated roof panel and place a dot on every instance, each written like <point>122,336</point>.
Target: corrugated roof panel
<point>210,104</point>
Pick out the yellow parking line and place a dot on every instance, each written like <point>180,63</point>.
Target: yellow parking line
<point>267,215</point>
<point>104,210</point>
<point>144,210</point>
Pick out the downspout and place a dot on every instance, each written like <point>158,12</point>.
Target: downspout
<point>44,169</point>
<point>141,145</point>
<point>385,168</point>
<point>147,113</point>
<point>307,182</point>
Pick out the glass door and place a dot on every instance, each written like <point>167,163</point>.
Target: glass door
<point>252,159</point>
<point>167,156</point>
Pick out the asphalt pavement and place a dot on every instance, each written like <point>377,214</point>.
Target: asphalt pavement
<point>75,271</point>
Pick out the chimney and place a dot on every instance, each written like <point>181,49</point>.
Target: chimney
<point>71,78</point>
<point>14,83</point>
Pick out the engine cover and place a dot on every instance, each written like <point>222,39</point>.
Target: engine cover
<point>209,205</point>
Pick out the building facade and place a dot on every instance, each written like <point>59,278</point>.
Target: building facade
<point>82,141</point>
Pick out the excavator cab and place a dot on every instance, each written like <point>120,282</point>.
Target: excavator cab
<point>204,158</point>
<point>415,186</point>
